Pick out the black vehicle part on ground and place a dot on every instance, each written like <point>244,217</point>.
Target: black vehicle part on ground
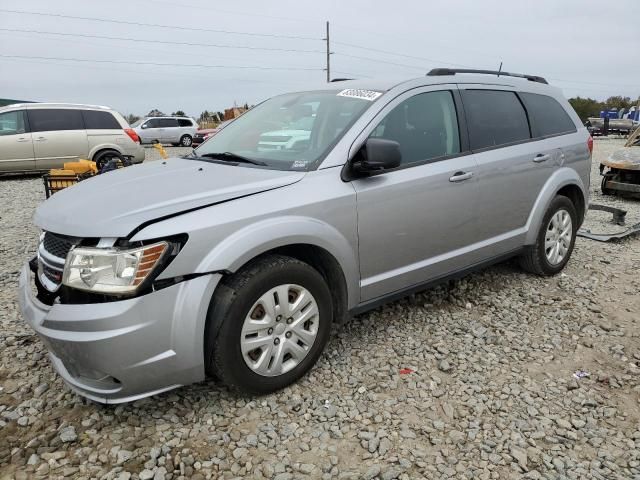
<point>618,218</point>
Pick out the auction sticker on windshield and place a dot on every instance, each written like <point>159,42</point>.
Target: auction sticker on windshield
<point>369,95</point>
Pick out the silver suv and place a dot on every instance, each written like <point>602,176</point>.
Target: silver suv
<point>41,136</point>
<point>173,130</point>
<point>236,260</point>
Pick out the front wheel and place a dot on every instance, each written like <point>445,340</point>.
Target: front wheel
<point>275,317</point>
<point>185,141</point>
<point>555,240</point>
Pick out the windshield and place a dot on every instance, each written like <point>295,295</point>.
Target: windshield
<point>290,132</point>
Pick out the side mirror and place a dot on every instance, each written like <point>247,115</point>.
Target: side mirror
<point>143,126</point>
<point>377,155</point>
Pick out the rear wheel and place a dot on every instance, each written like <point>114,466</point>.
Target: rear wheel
<point>274,319</point>
<point>186,140</point>
<point>102,158</point>
<point>555,239</point>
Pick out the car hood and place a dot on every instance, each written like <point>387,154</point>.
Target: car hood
<point>114,204</point>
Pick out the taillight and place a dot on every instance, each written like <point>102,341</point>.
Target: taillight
<point>132,134</point>
<point>590,144</point>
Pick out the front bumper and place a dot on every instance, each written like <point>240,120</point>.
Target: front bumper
<point>129,349</point>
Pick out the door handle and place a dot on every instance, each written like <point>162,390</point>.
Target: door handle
<point>460,176</point>
<point>21,140</point>
<point>41,139</point>
<point>541,158</point>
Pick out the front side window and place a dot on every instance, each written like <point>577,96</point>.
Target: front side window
<point>12,123</point>
<point>546,115</point>
<point>152,123</point>
<point>97,120</point>
<point>425,126</point>
<point>293,131</point>
<point>54,119</point>
<point>494,118</point>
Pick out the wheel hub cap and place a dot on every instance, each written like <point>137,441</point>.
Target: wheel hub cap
<point>279,330</point>
<point>558,237</point>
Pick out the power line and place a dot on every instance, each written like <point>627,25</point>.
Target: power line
<point>146,72</point>
<point>229,12</point>
<point>130,39</point>
<point>376,60</point>
<point>387,52</point>
<point>158,25</point>
<point>126,62</point>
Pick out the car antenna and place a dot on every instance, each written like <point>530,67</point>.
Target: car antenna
<point>500,69</point>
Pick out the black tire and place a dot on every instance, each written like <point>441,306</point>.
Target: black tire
<point>603,188</point>
<point>534,259</point>
<point>232,303</point>
<point>186,140</point>
<point>102,158</point>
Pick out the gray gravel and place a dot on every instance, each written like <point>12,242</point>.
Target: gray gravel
<point>486,391</point>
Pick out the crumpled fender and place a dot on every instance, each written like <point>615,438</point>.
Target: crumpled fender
<point>237,249</point>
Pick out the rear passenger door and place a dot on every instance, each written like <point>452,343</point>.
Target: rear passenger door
<point>58,135</point>
<point>511,167</point>
<point>170,130</point>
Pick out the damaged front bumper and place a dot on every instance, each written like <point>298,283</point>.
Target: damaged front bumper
<point>123,350</point>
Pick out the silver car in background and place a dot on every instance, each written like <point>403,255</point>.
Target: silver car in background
<point>236,260</point>
<point>173,130</point>
<point>41,136</point>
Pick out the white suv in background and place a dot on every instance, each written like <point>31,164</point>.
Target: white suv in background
<point>173,130</point>
<point>41,136</point>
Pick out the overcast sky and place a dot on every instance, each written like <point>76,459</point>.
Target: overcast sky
<point>582,46</point>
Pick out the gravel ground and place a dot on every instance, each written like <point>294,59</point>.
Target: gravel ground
<point>473,379</point>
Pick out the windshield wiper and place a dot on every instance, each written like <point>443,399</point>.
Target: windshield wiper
<point>232,157</point>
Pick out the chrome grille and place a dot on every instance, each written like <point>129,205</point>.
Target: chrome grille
<point>52,254</point>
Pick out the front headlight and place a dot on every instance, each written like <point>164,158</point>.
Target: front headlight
<point>111,270</point>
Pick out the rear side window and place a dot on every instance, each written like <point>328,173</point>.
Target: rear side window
<point>494,118</point>
<point>546,115</point>
<point>185,122</point>
<point>167,122</point>
<point>52,119</point>
<point>97,120</point>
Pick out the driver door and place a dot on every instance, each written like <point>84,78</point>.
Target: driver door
<point>416,222</point>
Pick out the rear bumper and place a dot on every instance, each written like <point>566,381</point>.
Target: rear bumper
<point>125,350</point>
<point>138,153</point>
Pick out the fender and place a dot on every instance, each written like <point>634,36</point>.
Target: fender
<point>560,178</point>
<point>105,146</point>
<point>249,242</point>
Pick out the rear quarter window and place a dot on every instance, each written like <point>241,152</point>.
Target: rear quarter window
<point>52,119</point>
<point>494,118</point>
<point>185,122</point>
<point>546,115</point>
<point>97,120</point>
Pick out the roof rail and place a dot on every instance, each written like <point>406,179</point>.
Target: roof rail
<point>452,71</point>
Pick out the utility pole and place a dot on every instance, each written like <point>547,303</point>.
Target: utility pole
<point>328,69</point>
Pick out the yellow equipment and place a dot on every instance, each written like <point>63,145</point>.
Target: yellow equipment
<point>60,178</point>
<point>81,166</point>
<point>160,148</point>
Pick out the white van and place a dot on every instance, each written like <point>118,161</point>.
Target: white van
<point>41,136</point>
